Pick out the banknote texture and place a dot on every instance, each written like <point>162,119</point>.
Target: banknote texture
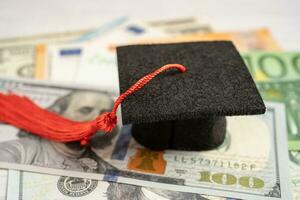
<point>43,38</point>
<point>277,75</point>
<point>260,39</point>
<point>41,186</point>
<point>181,26</point>
<point>236,169</point>
<point>17,61</point>
<point>3,182</point>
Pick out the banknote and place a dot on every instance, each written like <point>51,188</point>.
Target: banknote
<point>180,26</point>
<point>28,185</point>
<point>260,39</point>
<point>53,59</point>
<point>277,75</point>
<point>295,173</point>
<point>64,59</point>
<point>236,169</point>
<point>287,92</point>
<point>17,61</point>
<point>98,65</point>
<point>44,38</point>
<point>27,57</point>
<point>273,66</point>
<point>30,56</point>
<point>103,29</point>
<point>3,182</point>
<point>128,31</point>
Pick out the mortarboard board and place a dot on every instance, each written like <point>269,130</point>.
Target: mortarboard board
<point>186,111</point>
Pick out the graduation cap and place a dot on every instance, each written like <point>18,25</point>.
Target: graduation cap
<point>186,111</point>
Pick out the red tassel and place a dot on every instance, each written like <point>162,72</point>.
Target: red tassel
<point>21,112</point>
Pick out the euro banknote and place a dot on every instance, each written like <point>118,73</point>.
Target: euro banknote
<point>277,75</point>
<point>97,64</point>
<point>250,164</point>
<point>260,39</point>
<point>181,26</point>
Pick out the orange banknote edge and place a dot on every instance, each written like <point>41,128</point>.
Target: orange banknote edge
<point>260,39</point>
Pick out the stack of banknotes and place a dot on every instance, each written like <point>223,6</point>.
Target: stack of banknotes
<point>259,159</point>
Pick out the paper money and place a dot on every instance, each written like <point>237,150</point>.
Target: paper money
<point>273,66</point>
<point>44,38</point>
<point>27,57</point>
<point>103,29</point>
<point>180,26</point>
<point>54,61</point>
<point>260,39</point>
<point>236,169</point>
<point>27,185</point>
<point>278,79</point>
<point>17,61</point>
<point>287,92</point>
<point>295,173</point>
<point>3,181</point>
<point>126,32</point>
<point>98,65</point>
<point>65,60</point>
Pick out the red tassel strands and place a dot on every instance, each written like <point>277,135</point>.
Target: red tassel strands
<point>21,112</point>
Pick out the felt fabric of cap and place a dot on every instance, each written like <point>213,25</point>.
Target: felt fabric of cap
<point>186,111</point>
<point>217,82</point>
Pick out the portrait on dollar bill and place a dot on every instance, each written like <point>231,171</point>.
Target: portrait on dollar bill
<point>33,150</point>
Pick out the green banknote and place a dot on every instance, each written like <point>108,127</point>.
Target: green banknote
<point>266,66</point>
<point>277,75</point>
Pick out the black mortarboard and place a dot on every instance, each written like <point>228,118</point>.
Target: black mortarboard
<point>185,111</point>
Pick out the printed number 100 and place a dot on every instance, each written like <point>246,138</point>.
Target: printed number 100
<point>229,179</point>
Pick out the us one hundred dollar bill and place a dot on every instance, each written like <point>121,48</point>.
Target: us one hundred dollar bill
<point>251,164</point>
<point>27,186</point>
<point>3,182</point>
<point>277,75</point>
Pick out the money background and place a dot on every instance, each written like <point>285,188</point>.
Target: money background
<point>46,67</point>
<point>250,173</point>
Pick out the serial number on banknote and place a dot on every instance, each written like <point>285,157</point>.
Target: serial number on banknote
<point>213,163</point>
